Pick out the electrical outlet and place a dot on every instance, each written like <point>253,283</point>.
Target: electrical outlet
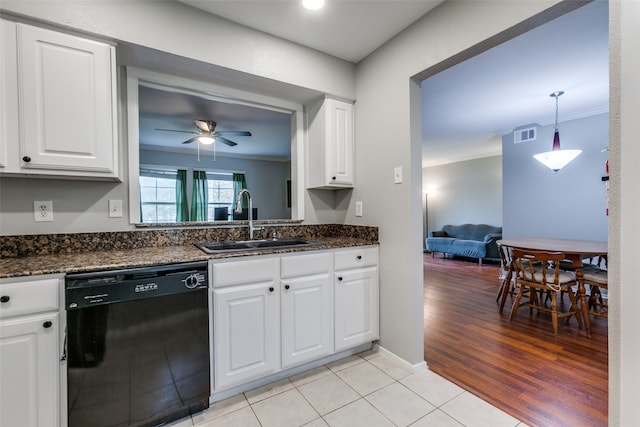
<point>42,211</point>
<point>397,175</point>
<point>115,208</point>
<point>358,208</point>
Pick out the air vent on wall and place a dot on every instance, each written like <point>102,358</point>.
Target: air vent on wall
<point>524,135</point>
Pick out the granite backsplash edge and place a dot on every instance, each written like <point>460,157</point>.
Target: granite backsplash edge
<point>50,244</point>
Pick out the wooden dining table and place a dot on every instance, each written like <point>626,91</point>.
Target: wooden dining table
<point>574,250</point>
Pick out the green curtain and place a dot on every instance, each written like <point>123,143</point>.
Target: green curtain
<point>199,202</point>
<point>182,204</point>
<point>239,184</point>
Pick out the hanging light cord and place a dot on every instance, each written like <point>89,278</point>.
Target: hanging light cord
<point>556,96</point>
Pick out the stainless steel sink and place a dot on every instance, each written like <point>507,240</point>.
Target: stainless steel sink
<point>254,245</point>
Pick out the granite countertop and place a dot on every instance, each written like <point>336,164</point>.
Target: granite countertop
<point>99,260</point>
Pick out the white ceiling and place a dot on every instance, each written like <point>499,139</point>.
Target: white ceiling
<point>270,130</point>
<point>466,108</point>
<point>347,29</point>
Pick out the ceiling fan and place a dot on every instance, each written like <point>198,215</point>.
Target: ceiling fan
<point>207,133</point>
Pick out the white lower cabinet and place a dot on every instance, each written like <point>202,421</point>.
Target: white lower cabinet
<point>307,308</point>
<point>246,320</point>
<point>29,353</point>
<point>271,313</point>
<point>356,297</point>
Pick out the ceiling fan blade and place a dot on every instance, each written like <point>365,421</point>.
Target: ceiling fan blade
<point>190,140</point>
<point>225,141</point>
<point>233,133</point>
<point>173,130</point>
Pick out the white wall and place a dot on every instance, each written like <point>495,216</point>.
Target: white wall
<point>464,192</point>
<point>388,100</point>
<point>229,53</point>
<point>178,29</point>
<point>624,233</point>
<point>569,204</point>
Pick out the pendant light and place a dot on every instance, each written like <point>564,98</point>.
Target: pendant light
<point>556,159</point>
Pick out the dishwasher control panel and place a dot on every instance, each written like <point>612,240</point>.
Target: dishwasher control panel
<point>106,287</point>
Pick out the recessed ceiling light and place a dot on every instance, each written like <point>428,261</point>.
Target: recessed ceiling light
<point>313,4</point>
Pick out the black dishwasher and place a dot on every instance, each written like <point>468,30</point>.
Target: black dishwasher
<point>137,345</point>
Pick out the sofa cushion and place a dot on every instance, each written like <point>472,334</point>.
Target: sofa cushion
<point>471,231</point>
<point>469,248</point>
<point>440,244</point>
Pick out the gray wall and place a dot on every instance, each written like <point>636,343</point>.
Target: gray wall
<point>464,192</point>
<point>266,180</point>
<point>569,204</point>
<point>386,95</point>
<point>81,206</point>
<point>388,98</point>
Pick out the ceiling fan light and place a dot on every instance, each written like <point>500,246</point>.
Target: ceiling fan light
<point>557,159</point>
<point>313,4</point>
<point>206,140</point>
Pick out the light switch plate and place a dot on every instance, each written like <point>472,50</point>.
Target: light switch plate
<point>358,208</point>
<point>115,208</point>
<point>397,175</point>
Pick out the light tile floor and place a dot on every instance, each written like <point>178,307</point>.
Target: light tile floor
<point>367,390</point>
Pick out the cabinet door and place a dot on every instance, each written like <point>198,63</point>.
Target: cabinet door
<point>67,96</point>
<point>330,162</point>
<point>8,98</point>
<point>246,333</point>
<point>307,319</point>
<point>356,307</point>
<point>29,367</point>
<point>339,142</point>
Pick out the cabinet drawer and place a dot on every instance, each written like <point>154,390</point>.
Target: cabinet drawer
<point>243,272</point>
<point>365,256</point>
<point>304,265</point>
<point>28,297</point>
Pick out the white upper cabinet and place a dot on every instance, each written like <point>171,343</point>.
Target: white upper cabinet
<point>330,144</point>
<point>8,96</point>
<point>66,99</point>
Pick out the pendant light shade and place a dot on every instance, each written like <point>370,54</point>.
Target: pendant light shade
<point>557,158</point>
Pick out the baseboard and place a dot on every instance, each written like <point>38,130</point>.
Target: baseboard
<point>417,367</point>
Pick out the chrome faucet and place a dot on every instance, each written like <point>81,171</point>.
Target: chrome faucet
<point>250,213</point>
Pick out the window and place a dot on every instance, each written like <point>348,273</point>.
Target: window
<point>220,193</point>
<point>157,195</point>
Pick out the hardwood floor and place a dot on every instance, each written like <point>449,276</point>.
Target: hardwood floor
<point>518,366</point>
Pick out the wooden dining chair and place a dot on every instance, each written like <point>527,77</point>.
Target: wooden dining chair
<point>506,282</point>
<point>507,276</point>
<point>539,272</point>
<point>596,276</point>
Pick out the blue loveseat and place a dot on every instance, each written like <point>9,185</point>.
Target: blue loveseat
<point>468,240</point>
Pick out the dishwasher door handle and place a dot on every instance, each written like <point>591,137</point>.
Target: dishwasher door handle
<point>63,356</point>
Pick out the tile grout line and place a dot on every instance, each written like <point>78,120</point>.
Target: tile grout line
<point>350,364</point>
